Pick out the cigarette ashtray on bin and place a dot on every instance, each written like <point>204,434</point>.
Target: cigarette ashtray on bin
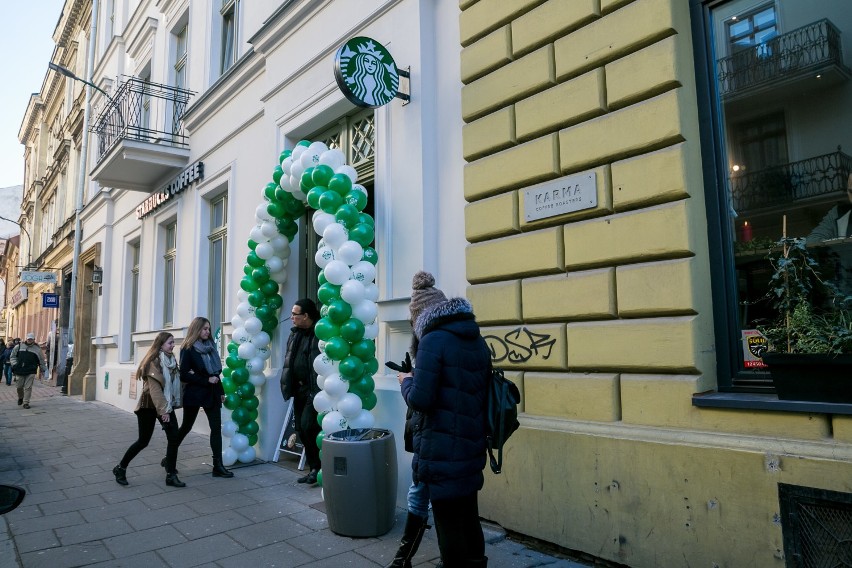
<point>359,481</point>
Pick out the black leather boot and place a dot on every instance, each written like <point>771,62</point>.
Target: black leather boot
<point>163,465</point>
<point>173,481</point>
<point>415,526</point>
<point>120,474</point>
<point>219,469</point>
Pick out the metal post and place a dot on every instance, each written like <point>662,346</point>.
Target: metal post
<point>81,178</point>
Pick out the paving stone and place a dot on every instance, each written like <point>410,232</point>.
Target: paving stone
<point>143,541</point>
<point>267,510</point>
<point>87,532</point>
<point>146,560</point>
<point>200,551</point>
<point>324,543</point>
<point>276,555</point>
<point>268,532</point>
<point>23,526</point>
<point>67,556</point>
<point>221,503</point>
<point>77,504</point>
<point>160,517</point>
<point>207,525</point>
<point>33,541</point>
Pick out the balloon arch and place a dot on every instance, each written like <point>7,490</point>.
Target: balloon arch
<point>312,176</point>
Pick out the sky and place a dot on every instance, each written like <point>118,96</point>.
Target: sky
<point>26,40</point>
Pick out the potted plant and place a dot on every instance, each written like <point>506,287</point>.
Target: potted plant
<point>809,351</point>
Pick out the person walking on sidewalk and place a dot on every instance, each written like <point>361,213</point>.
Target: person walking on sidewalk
<point>299,381</point>
<point>5,358</point>
<point>160,394</point>
<point>201,373</point>
<point>27,358</point>
<point>449,388</point>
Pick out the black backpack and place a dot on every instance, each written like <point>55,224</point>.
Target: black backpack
<point>501,415</point>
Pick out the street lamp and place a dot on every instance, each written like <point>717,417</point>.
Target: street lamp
<point>29,238</point>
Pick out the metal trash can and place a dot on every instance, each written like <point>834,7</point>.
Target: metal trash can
<point>359,481</point>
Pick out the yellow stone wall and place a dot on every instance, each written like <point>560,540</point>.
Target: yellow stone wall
<point>603,316</point>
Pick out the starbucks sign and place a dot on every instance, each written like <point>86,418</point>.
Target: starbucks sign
<point>366,72</point>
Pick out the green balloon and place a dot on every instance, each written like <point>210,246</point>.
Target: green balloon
<point>362,386</point>
<point>263,312</point>
<point>233,347</point>
<point>304,143</point>
<point>276,209</point>
<point>370,255</point>
<point>314,196</point>
<point>324,311</point>
<point>347,215</point>
<point>320,416</point>
<point>284,155</point>
<point>329,201</point>
<point>321,276</point>
<point>251,244</point>
<point>306,181</point>
<point>232,401</point>
<point>239,376</point>
<point>228,385</point>
<point>320,438</point>
<point>352,330</point>
<point>368,401</point>
<point>277,172</point>
<point>269,325</point>
<point>362,234</point>
<point>294,207</point>
<point>248,284</point>
<point>351,367</point>
<point>287,227</point>
<point>336,348</point>
<point>245,390</point>
<point>269,288</point>
<point>269,190</point>
<point>319,478</point>
<point>339,311</point>
<point>371,366</point>
<point>253,414</point>
<point>254,260</point>
<point>322,174</point>
<point>328,293</point>
<point>235,362</point>
<point>249,428</point>
<point>247,269</point>
<point>357,199</point>
<point>365,349</point>
<point>240,415</point>
<point>260,275</point>
<point>275,302</point>
<point>251,403</point>
<point>252,438</point>
<point>226,372</point>
<point>340,184</point>
<point>256,298</point>
<point>325,329</point>
<point>366,219</point>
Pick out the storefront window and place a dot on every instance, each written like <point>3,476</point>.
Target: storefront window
<point>781,102</point>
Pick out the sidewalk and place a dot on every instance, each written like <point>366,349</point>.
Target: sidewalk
<point>62,450</point>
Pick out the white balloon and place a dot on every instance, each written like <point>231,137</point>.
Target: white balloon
<point>246,351</point>
<point>281,246</point>
<point>323,256</point>
<point>297,151</point>
<point>336,272</point>
<point>308,159</point>
<point>294,180</point>
<point>256,234</point>
<point>268,229</point>
<point>359,187</point>
<point>334,387</point>
<point>321,220</point>
<point>284,183</point>
<point>321,345</point>
<point>255,364</point>
<point>229,428</point>
<point>371,292</point>
<point>322,402</point>
<point>296,172</point>
<point>364,272</point>
<point>279,277</point>
<point>261,339</point>
<point>323,365</point>
<point>318,148</point>
<point>350,252</point>
<point>239,335</point>
<point>242,295</point>
<point>333,422</point>
<point>253,326</point>
<point>274,264</point>
<point>348,171</point>
<point>371,330</point>
<point>264,353</point>
<point>286,163</point>
<point>237,321</point>
<point>264,250</point>
<point>335,235</point>
<point>320,381</point>
<point>349,405</point>
<point>239,442</point>
<point>229,457</point>
<point>365,311</point>
<point>303,197</point>
<point>261,212</point>
<point>352,292</point>
<point>245,310</point>
<point>333,158</point>
<point>247,455</point>
<point>365,419</point>
<point>258,380</point>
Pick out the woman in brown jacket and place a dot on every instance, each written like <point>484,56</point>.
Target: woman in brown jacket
<point>160,396</point>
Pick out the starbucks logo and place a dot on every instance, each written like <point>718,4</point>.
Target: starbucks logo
<point>366,72</point>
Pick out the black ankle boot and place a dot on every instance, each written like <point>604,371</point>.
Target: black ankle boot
<point>415,526</point>
<point>219,469</point>
<point>120,474</point>
<point>163,465</point>
<point>173,481</point>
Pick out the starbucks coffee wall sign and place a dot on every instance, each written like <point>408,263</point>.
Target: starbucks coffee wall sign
<point>366,73</point>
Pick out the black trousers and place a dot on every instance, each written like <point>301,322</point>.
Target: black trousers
<point>307,428</point>
<point>459,532</point>
<point>214,419</point>
<point>147,418</point>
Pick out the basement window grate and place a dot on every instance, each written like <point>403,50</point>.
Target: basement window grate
<point>817,527</point>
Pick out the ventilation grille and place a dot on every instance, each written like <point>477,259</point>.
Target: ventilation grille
<point>817,527</point>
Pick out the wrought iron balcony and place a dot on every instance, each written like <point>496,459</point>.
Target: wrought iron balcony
<point>791,56</point>
<point>816,177</point>
<point>141,138</point>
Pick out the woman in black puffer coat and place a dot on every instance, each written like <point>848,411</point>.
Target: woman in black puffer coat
<point>448,388</point>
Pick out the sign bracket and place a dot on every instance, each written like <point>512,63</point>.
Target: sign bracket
<point>404,91</point>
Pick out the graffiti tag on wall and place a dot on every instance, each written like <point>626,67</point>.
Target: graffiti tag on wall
<point>519,346</point>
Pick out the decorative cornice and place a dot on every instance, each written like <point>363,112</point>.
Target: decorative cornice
<point>142,38</point>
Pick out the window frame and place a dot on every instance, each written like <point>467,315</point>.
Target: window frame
<point>134,257</point>
<point>218,233</point>
<point>169,272</point>
<point>229,13</point>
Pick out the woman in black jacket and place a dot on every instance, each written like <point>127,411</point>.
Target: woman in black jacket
<point>201,373</point>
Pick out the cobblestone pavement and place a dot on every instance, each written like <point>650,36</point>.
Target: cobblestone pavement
<point>62,450</point>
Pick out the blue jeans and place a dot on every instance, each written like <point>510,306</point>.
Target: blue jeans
<point>7,372</point>
<point>418,499</point>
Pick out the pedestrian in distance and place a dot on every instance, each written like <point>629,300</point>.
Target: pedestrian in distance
<point>5,358</point>
<point>201,373</point>
<point>448,387</point>
<point>299,381</point>
<point>27,358</point>
<point>160,396</point>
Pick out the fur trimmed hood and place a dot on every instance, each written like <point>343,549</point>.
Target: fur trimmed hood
<point>439,315</point>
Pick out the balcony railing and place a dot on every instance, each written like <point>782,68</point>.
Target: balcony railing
<point>144,112</point>
<point>814,177</point>
<point>813,46</point>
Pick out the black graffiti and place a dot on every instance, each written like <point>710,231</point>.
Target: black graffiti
<point>519,346</point>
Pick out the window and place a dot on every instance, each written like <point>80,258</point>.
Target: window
<point>229,12</point>
<point>145,113</point>
<point>110,20</point>
<point>133,284</point>
<point>180,56</point>
<point>218,246</point>
<point>776,162</point>
<point>169,274</point>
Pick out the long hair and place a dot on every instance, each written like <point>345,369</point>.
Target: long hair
<point>153,353</point>
<point>193,332</point>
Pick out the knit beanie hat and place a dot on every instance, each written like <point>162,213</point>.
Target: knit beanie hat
<point>424,294</point>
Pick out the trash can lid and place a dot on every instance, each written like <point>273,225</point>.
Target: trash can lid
<point>357,435</point>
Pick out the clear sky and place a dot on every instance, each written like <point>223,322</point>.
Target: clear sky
<point>26,42</point>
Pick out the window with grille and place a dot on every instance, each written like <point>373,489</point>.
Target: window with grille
<point>169,274</point>
<point>228,55</point>
<point>817,526</point>
<point>218,247</point>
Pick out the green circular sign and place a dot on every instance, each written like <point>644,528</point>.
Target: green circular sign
<point>366,72</point>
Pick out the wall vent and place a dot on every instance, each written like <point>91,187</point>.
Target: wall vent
<point>817,527</point>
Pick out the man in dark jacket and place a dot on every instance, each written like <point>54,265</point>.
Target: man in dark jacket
<point>27,358</point>
<point>299,381</point>
<point>449,387</point>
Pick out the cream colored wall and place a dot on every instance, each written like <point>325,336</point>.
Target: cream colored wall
<point>604,316</point>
